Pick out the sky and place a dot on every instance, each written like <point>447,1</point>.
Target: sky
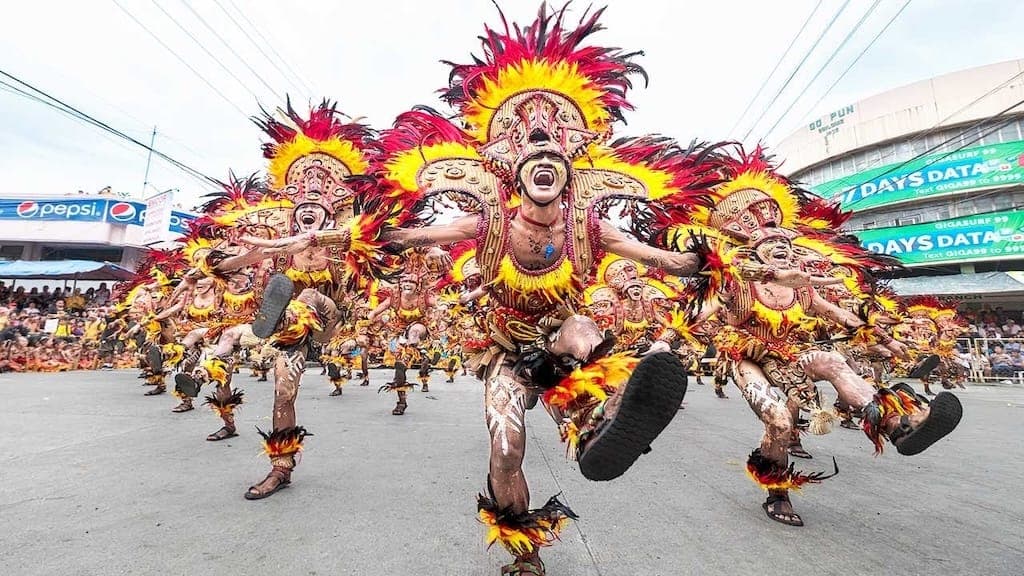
<point>197,69</point>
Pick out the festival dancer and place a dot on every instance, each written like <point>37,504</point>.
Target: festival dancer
<point>197,301</point>
<point>409,311</point>
<point>146,297</point>
<point>242,206</point>
<point>337,356</point>
<point>933,326</point>
<point>537,106</point>
<point>773,310</point>
<point>314,167</point>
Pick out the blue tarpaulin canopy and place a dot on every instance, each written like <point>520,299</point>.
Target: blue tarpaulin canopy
<point>63,270</point>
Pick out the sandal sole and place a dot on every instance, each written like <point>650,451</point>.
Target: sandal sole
<point>650,402</point>
<point>278,488</point>
<point>945,412</point>
<point>926,367</point>
<point>186,384</point>
<point>210,438</point>
<point>276,296</point>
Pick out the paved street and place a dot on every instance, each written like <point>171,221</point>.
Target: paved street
<point>97,479</point>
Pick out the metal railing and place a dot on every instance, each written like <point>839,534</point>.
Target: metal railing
<point>978,353</point>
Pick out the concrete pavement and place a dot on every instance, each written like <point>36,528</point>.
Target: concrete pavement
<point>97,479</point>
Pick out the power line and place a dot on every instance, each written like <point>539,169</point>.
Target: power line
<point>204,49</point>
<point>75,113</point>
<point>293,70</point>
<point>28,95</point>
<point>776,68</point>
<point>797,69</point>
<point>229,47</point>
<point>857,59</point>
<point>180,59</point>
<point>258,46</point>
<point>821,69</point>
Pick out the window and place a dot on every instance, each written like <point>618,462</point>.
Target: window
<point>1002,201</point>
<point>11,252</point>
<point>872,158</point>
<point>94,254</point>
<point>1010,133</point>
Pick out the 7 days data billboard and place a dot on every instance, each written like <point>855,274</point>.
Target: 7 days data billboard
<point>931,175</point>
<point>982,237</point>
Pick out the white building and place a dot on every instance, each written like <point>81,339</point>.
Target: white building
<point>80,227</point>
<point>934,172</point>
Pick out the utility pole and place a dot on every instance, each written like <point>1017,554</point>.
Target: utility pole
<point>149,158</point>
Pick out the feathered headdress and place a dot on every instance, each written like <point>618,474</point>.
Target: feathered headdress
<point>246,205</point>
<point>311,158</point>
<point>537,88</point>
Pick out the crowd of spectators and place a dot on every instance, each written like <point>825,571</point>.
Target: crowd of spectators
<point>995,341</point>
<point>44,330</point>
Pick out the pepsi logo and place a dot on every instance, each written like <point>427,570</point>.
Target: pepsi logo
<point>122,212</point>
<point>28,209</point>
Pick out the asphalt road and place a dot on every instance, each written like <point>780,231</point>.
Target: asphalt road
<point>97,479</point>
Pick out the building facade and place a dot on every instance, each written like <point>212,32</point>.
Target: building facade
<point>81,227</point>
<point>934,170</point>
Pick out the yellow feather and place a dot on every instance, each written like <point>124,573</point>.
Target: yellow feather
<point>536,75</point>
<point>287,153</point>
<point>657,183</point>
<point>555,286</point>
<point>404,169</point>
<point>765,183</point>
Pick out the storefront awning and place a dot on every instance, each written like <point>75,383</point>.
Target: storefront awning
<point>982,283</point>
<point>63,270</point>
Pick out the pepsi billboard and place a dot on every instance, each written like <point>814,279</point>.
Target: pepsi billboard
<point>111,211</point>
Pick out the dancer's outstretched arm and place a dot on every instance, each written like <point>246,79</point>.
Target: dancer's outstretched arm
<point>397,239</point>
<point>678,263</point>
<point>850,321</point>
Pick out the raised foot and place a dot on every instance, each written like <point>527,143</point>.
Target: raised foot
<point>944,414</point>
<point>649,402</point>
<point>276,296</point>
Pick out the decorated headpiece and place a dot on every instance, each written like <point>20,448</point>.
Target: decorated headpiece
<point>243,204</point>
<point>535,89</point>
<point>311,159</point>
<point>762,235</point>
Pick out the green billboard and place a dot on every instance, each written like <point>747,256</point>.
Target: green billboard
<point>981,237</point>
<point>932,175</point>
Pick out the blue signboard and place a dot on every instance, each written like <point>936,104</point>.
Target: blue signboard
<point>111,211</point>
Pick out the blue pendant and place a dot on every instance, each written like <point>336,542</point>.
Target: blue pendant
<point>549,251</point>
